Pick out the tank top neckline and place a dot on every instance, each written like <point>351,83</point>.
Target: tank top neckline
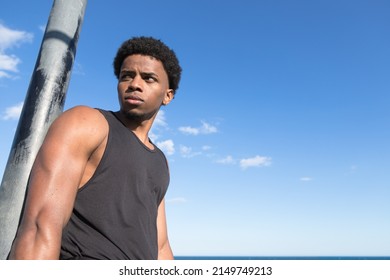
<point>135,136</point>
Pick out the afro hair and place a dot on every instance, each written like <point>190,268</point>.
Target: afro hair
<point>151,47</point>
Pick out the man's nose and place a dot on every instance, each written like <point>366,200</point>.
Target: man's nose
<point>136,83</point>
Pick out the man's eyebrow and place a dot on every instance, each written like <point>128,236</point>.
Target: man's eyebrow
<point>149,74</point>
<point>126,71</point>
<point>143,73</point>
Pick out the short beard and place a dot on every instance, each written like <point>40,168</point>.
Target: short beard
<point>139,117</point>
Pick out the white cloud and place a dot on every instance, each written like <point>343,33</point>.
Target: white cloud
<point>306,179</point>
<point>13,113</point>
<point>153,136</point>
<point>42,28</point>
<point>158,124</point>
<point>9,62</point>
<point>4,75</point>
<point>189,130</point>
<point>257,161</point>
<point>208,128</point>
<point>227,160</point>
<point>160,119</point>
<point>10,38</point>
<point>78,69</point>
<point>205,128</point>
<point>167,146</point>
<point>187,152</point>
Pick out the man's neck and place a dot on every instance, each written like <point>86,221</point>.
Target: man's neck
<point>140,128</point>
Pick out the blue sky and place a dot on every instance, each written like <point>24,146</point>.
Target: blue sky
<point>278,136</point>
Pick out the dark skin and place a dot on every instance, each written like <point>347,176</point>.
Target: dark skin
<point>72,150</point>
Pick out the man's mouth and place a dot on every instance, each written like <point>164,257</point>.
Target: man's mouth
<point>134,99</point>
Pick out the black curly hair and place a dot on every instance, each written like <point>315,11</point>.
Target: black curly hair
<point>151,47</point>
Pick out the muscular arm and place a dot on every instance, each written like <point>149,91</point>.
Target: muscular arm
<point>57,173</point>
<point>164,248</point>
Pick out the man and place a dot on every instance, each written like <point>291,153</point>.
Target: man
<point>97,186</point>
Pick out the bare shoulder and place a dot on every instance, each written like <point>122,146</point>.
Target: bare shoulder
<point>83,115</point>
<point>80,127</point>
<point>82,120</point>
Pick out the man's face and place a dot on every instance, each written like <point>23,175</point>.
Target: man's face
<point>142,87</point>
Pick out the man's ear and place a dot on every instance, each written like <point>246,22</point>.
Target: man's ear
<point>169,95</point>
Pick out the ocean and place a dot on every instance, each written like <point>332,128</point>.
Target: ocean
<point>282,257</point>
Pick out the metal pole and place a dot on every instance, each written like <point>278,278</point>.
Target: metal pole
<point>44,102</point>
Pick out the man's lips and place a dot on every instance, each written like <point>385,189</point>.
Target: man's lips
<point>134,99</point>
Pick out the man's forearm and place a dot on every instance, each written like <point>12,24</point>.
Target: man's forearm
<point>35,245</point>
<point>165,252</point>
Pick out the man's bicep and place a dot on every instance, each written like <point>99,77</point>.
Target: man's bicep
<point>54,179</point>
<point>59,167</point>
<point>164,248</point>
<point>54,182</point>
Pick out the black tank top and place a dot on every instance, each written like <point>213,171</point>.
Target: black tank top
<point>115,212</point>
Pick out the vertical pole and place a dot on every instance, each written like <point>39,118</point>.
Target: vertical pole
<point>44,102</point>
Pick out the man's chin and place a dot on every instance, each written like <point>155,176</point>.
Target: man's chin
<point>134,115</point>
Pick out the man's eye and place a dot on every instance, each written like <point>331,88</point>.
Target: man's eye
<point>125,77</point>
<point>149,79</point>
